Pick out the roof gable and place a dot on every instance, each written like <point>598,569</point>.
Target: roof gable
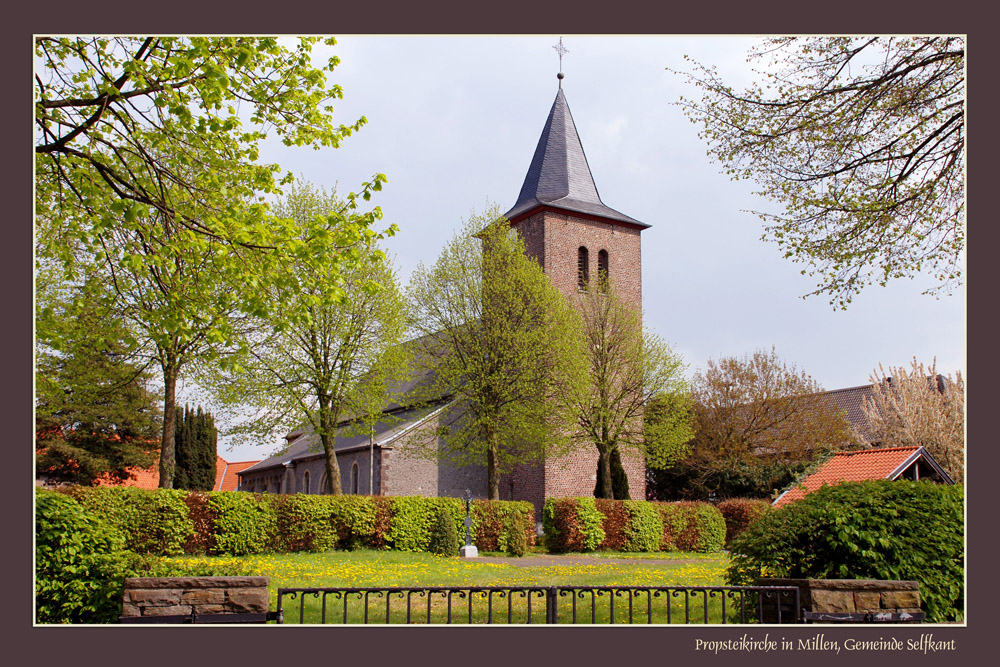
<point>559,176</point>
<point>860,466</point>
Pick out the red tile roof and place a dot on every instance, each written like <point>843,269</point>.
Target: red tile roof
<point>856,466</point>
<point>227,480</point>
<point>149,478</point>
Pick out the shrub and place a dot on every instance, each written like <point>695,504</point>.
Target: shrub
<point>444,536</point>
<point>615,519</point>
<point>494,523</point>
<point>412,519</point>
<point>644,528</point>
<point>739,513</point>
<point>202,515</point>
<point>80,566</point>
<point>864,530</point>
<point>692,526</point>
<point>303,523</point>
<point>516,537</point>
<point>572,524</point>
<point>150,521</point>
<point>245,523</point>
<point>354,519</point>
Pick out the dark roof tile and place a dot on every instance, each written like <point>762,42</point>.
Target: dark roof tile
<point>559,175</point>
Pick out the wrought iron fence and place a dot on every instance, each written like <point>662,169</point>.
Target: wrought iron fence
<point>540,604</point>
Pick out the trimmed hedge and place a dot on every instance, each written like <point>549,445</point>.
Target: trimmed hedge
<point>236,523</point>
<point>692,526</point>
<point>583,524</point>
<point>740,513</point>
<point>151,522</point>
<point>81,562</point>
<point>494,523</point>
<point>864,530</point>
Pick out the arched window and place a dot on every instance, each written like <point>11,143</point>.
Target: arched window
<point>305,482</point>
<point>324,484</point>
<point>582,267</point>
<point>602,270</point>
<point>354,478</point>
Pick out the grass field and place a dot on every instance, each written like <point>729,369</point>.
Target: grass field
<point>366,568</point>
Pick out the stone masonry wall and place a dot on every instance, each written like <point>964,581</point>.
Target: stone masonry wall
<point>405,472</point>
<point>180,596</point>
<point>840,596</point>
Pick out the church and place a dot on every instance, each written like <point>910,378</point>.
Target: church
<point>573,235</point>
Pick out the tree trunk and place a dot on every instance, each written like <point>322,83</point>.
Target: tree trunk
<point>604,462</point>
<point>332,467</point>
<point>170,372</point>
<point>492,477</point>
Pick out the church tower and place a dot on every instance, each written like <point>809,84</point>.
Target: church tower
<point>575,237</point>
<point>563,221</point>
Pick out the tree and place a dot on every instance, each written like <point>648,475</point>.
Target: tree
<point>196,441</point>
<point>756,419</point>
<point>918,407</point>
<point>95,414</point>
<point>337,364</point>
<point>628,365</point>
<point>134,125</point>
<point>146,177</point>
<point>498,338</point>
<point>863,142</point>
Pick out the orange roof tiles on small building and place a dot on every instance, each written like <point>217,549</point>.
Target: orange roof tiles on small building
<point>228,480</point>
<point>149,478</point>
<point>141,478</point>
<point>862,465</point>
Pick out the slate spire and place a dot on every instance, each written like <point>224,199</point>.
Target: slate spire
<point>559,176</point>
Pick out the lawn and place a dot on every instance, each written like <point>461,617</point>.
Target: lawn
<point>368,568</point>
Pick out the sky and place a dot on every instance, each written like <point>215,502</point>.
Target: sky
<point>453,123</point>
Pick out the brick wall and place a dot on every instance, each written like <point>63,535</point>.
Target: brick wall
<point>180,596</point>
<point>554,239</point>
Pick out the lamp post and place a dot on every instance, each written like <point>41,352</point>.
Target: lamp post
<point>469,550</point>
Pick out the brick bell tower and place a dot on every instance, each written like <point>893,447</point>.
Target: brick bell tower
<point>574,236</point>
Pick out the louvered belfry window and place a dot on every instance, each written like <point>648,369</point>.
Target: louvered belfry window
<point>602,269</point>
<point>582,267</point>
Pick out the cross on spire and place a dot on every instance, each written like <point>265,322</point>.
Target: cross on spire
<point>561,50</point>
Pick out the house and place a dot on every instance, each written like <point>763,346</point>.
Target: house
<point>914,463</point>
<point>573,235</point>
<point>148,478</point>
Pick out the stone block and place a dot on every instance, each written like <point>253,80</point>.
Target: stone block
<point>176,610</point>
<point>155,597</point>
<point>900,599</point>
<point>195,582</point>
<point>131,611</point>
<point>867,601</point>
<point>247,600</point>
<point>832,601</point>
<point>203,596</point>
<point>211,609</point>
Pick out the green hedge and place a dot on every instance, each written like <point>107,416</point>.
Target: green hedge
<point>149,521</point>
<point>692,526</point>
<point>169,522</point>
<point>81,561</point>
<point>583,524</point>
<point>864,530</point>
